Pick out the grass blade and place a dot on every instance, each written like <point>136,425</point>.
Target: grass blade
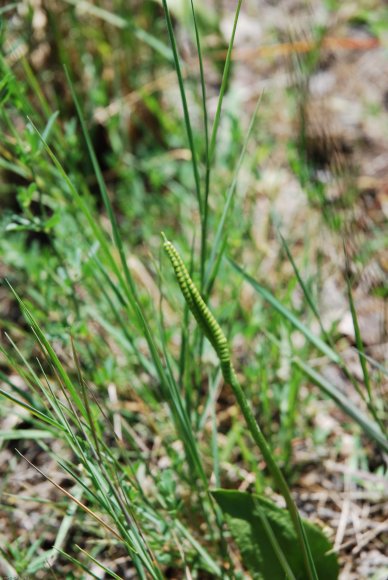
<point>224,83</point>
<point>344,403</point>
<point>204,224</point>
<point>218,245</point>
<point>368,427</point>
<point>104,193</point>
<point>288,315</point>
<point>305,290</point>
<point>359,341</point>
<point>186,113</point>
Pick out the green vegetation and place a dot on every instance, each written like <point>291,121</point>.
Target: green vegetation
<point>112,396</point>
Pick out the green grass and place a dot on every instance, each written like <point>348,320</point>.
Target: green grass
<point>103,371</point>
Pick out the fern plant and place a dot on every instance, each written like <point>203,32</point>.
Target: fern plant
<point>218,340</point>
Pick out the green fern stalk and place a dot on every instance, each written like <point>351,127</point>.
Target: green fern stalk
<point>215,335</point>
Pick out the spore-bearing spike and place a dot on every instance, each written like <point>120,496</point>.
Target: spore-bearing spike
<point>198,307</point>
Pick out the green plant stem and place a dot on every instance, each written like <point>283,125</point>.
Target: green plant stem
<point>257,435</point>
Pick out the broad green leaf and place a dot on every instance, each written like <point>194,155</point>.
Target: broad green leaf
<point>267,539</point>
